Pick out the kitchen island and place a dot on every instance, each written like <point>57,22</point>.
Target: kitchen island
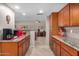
<point>15,47</point>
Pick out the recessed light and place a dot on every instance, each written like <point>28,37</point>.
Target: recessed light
<point>40,11</point>
<point>23,14</point>
<point>17,7</point>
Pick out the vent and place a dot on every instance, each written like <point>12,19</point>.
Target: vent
<point>39,13</point>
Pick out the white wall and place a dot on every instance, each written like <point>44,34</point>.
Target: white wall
<point>47,32</point>
<point>3,12</point>
<point>32,25</point>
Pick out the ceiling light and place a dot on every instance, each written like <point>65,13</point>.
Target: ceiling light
<point>23,14</point>
<point>37,21</point>
<point>41,11</point>
<point>17,7</point>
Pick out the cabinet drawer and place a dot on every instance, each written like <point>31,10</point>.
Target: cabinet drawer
<point>69,49</point>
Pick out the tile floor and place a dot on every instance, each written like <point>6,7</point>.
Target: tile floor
<point>40,49</point>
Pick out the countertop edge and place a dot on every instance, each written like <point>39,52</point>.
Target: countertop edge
<point>16,39</point>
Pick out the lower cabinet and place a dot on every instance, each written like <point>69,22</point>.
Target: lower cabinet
<point>23,46</point>
<point>51,43</point>
<point>20,50</point>
<point>59,48</point>
<point>68,50</point>
<point>15,48</point>
<point>64,52</point>
<point>0,48</point>
<point>9,49</point>
<point>55,46</point>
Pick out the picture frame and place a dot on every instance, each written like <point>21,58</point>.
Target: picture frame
<point>8,19</point>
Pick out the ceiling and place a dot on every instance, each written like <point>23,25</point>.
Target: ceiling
<point>32,9</point>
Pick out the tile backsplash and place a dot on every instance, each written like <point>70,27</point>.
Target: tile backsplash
<point>72,30</point>
<point>73,34</point>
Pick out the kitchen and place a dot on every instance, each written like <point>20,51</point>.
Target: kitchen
<point>58,24</point>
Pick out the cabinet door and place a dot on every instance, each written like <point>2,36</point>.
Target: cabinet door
<point>57,50</point>
<point>64,53</point>
<point>63,16</point>
<point>55,30</point>
<point>60,18</point>
<point>9,49</point>
<point>21,50</point>
<point>0,49</point>
<point>51,43</point>
<point>54,48</point>
<point>66,15</point>
<point>24,48</point>
<point>69,49</point>
<point>74,14</point>
<point>28,43</point>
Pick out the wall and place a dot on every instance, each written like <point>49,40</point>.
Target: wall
<point>4,10</point>
<point>31,25</point>
<point>73,35</point>
<point>47,32</point>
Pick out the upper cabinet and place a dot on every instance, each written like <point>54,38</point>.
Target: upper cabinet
<point>53,22</point>
<point>60,18</point>
<point>74,14</point>
<point>63,16</point>
<point>66,15</point>
<point>69,15</point>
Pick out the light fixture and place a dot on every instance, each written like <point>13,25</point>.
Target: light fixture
<point>37,21</point>
<point>70,31</point>
<point>23,14</point>
<point>17,7</point>
<point>40,11</point>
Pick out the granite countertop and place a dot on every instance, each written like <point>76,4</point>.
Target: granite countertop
<point>69,43</point>
<point>15,39</point>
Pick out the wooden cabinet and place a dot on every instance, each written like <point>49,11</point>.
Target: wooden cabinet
<point>53,22</point>
<point>64,52</point>
<point>20,50</point>
<point>60,18</point>
<point>74,14</point>
<point>57,49</point>
<point>69,49</point>
<point>9,49</point>
<point>23,46</point>
<point>63,16</point>
<point>68,16</point>
<point>16,48</point>
<point>0,48</point>
<point>51,42</point>
<point>60,48</point>
<point>55,46</point>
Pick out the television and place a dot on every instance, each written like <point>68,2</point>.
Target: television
<point>7,34</point>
